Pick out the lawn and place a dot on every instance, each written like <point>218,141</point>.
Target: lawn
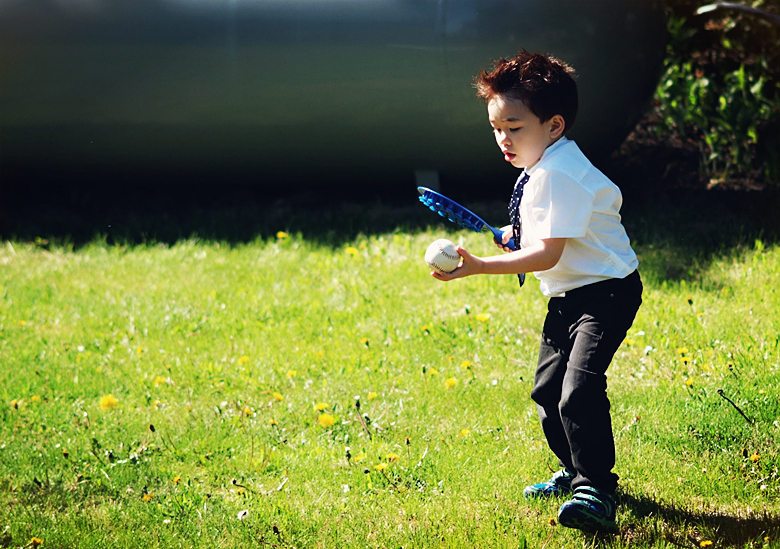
<point>315,387</point>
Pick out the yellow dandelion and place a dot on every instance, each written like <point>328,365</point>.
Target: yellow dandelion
<point>319,354</point>
<point>148,496</point>
<point>139,351</point>
<point>247,411</point>
<point>705,543</point>
<point>35,542</point>
<point>364,341</point>
<point>176,479</point>
<point>426,329</point>
<point>35,398</point>
<point>380,467</point>
<point>321,406</point>
<point>392,456</point>
<point>15,404</point>
<point>689,382</point>
<point>483,317</point>
<point>755,457</point>
<point>433,372</point>
<point>291,373</point>
<point>464,433</point>
<point>326,420</point>
<point>450,383</point>
<point>682,351</point>
<point>278,396</point>
<point>159,380</point>
<point>22,323</point>
<point>684,360</point>
<point>272,422</point>
<point>360,457</point>
<point>372,395</point>
<point>351,250</point>
<point>281,235</point>
<point>243,360</point>
<point>108,402</point>
<point>466,364</point>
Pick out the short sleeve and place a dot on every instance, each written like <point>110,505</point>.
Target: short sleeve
<point>560,207</point>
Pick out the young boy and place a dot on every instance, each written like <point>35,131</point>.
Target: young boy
<point>565,215</point>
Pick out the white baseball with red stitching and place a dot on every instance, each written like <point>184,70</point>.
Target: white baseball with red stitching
<point>442,256</point>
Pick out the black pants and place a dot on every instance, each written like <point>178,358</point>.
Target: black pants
<point>582,332</point>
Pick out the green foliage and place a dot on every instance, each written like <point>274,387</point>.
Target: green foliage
<point>720,93</point>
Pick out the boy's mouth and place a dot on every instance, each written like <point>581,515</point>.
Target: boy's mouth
<point>509,156</point>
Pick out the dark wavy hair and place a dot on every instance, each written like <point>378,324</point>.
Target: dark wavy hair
<point>544,83</point>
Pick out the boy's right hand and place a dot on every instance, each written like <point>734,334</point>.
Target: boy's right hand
<point>505,237</point>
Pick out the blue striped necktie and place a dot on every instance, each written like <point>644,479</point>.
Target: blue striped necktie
<point>514,214</point>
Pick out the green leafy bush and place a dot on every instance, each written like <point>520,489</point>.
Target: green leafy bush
<point>720,93</point>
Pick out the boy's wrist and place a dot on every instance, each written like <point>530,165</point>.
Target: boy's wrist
<point>479,266</point>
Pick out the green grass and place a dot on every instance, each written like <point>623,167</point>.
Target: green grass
<point>219,354</point>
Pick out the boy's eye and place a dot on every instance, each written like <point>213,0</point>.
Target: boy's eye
<point>515,129</point>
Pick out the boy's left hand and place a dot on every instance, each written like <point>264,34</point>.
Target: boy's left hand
<point>470,265</point>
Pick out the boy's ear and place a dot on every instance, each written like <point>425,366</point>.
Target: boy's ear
<point>557,126</point>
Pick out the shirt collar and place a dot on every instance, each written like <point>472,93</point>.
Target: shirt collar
<point>547,152</point>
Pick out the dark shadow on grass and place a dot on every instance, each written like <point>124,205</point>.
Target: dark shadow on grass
<point>677,232</point>
<point>685,528</point>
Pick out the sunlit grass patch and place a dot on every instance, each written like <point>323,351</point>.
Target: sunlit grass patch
<point>299,393</point>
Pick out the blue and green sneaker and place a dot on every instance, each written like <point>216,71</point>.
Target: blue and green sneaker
<point>558,485</point>
<point>589,510</point>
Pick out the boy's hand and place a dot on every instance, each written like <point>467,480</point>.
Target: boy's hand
<point>505,237</point>
<point>470,265</point>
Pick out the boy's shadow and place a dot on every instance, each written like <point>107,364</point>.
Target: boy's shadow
<point>729,530</point>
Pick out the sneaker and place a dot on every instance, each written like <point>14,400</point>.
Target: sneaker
<point>590,510</point>
<point>558,485</point>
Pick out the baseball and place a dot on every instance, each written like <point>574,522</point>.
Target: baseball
<point>442,256</point>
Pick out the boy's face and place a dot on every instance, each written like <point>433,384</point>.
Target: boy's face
<point>519,133</point>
